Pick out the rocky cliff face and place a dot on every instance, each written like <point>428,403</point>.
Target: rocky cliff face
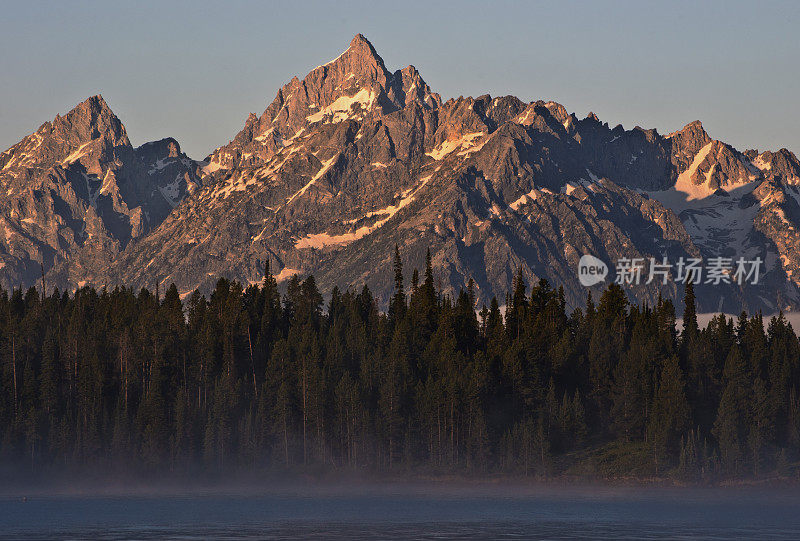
<point>75,192</point>
<point>353,159</point>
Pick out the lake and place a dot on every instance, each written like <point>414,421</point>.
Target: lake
<point>421,513</point>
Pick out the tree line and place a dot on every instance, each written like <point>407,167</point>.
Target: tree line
<point>252,379</point>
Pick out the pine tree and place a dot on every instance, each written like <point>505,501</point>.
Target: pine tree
<point>761,425</point>
<point>632,385</point>
<point>730,428</point>
<point>397,307</point>
<point>671,415</point>
<point>690,327</point>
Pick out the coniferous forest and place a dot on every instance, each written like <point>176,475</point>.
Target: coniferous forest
<point>249,379</point>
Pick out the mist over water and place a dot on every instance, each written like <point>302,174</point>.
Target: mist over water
<point>704,318</point>
<point>409,510</point>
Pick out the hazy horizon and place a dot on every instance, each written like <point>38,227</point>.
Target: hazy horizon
<point>194,72</point>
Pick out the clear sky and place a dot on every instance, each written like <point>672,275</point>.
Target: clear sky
<point>194,70</point>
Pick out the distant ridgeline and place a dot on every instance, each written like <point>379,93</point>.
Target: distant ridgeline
<point>247,380</point>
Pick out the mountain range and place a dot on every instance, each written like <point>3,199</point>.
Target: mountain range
<point>354,159</point>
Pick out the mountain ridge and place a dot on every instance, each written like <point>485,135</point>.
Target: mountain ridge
<point>353,159</point>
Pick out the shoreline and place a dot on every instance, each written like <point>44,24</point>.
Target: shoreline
<point>385,485</point>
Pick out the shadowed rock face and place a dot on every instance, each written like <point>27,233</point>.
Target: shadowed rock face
<point>353,159</point>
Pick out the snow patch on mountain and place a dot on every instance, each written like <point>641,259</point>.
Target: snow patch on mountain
<point>77,154</point>
<point>210,167</point>
<point>324,169</point>
<point>721,227</point>
<point>321,240</point>
<point>524,199</point>
<point>160,164</point>
<point>760,164</point>
<point>685,184</point>
<point>171,192</point>
<point>285,274</point>
<point>341,108</point>
<point>265,135</point>
<point>467,141</point>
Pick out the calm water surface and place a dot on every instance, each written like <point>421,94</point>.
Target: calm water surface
<point>590,514</point>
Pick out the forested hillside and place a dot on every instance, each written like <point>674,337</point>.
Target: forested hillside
<point>253,380</point>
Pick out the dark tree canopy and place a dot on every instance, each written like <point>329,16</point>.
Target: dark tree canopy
<point>252,379</point>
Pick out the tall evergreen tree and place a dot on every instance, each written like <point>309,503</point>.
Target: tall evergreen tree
<point>730,428</point>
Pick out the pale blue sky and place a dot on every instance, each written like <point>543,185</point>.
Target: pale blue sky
<point>194,70</point>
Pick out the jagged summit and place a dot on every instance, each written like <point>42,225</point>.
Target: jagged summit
<point>68,137</point>
<point>95,106</point>
<point>693,130</point>
<point>91,119</point>
<point>359,61</point>
<point>703,165</point>
<point>163,148</point>
<point>359,53</point>
<point>361,43</point>
<point>354,85</point>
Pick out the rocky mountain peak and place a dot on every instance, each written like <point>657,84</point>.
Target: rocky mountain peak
<point>689,140</point>
<point>361,49</point>
<point>91,119</point>
<point>89,128</point>
<point>164,148</point>
<point>360,41</point>
<point>359,61</point>
<point>75,192</point>
<point>92,107</point>
<point>782,164</point>
<point>353,86</point>
<point>686,144</point>
<point>409,88</point>
<point>693,130</point>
